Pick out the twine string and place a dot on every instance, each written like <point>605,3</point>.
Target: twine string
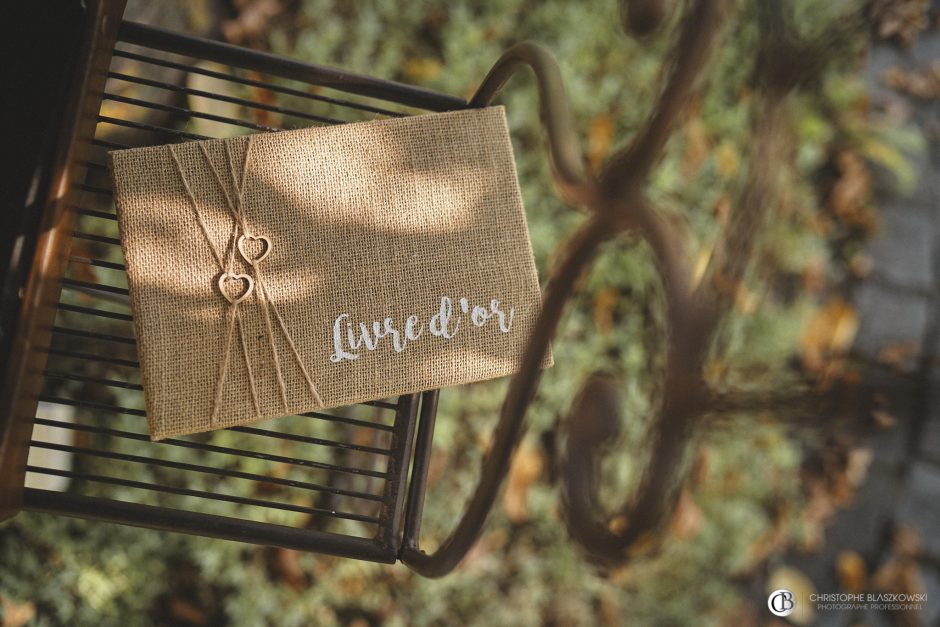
<point>238,212</point>
<point>223,368</point>
<point>251,376</point>
<point>233,311</point>
<point>240,229</point>
<point>236,215</point>
<point>195,206</point>
<point>262,289</point>
<point>267,303</point>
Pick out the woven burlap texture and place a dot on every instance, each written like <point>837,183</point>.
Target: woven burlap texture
<point>375,219</point>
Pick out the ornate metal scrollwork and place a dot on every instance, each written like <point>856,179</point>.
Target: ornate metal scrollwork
<point>617,201</point>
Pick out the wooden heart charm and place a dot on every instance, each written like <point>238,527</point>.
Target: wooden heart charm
<point>235,287</point>
<point>254,248</point>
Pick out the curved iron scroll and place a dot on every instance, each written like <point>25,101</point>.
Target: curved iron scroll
<point>617,201</point>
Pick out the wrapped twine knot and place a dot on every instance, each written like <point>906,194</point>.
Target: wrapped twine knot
<point>236,288</point>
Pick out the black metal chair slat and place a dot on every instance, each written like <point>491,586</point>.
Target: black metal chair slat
<point>255,83</point>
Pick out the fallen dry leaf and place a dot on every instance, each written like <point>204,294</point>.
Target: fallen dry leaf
<point>923,83</point>
<point>883,419</point>
<point>605,301</point>
<point>16,614</point>
<point>185,613</point>
<point>831,478</point>
<point>856,467</point>
<point>898,355</point>
<point>851,192</point>
<point>600,134</point>
<point>525,471</point>
<point>901,573</point>
<point>852,572</point>
<point>618,524</point>
<point>828,334</point>
<point>903,19</point>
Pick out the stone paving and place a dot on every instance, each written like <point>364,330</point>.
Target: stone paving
<point>898,304</point>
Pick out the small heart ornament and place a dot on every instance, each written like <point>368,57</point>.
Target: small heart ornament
<point>243,283</point>
<point>246,248</point>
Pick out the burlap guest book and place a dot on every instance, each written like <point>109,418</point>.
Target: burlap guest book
<point>287,272</point>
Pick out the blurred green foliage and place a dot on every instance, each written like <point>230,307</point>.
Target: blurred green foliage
<point>745,497</point>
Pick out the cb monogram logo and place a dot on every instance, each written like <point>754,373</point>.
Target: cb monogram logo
<point>781,602</point>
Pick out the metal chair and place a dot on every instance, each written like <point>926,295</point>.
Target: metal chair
<point>333,482</point>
